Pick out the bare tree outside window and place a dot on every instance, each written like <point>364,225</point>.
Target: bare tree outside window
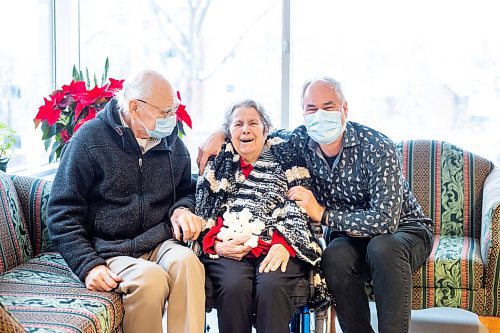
<point>214,52</point>
<point>182,27</point>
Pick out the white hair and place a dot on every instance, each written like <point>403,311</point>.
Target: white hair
<point>248,103</point>
<point>336,86</point>
<point>139,87</point>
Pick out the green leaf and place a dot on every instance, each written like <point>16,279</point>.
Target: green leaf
<point>95,80</point>
<point>70,129</point>
<point>7,138</point>
<point>53,153</point>
<point>47,143</point>
<point>106,68</point>
<point>50,131</point>
<point>56,150</point>
<point>59,127</point>
<point>59,150</point>
<point>76,77</point>
<point>47,131</point>
<point>87,81</point>
<point>180,132</point>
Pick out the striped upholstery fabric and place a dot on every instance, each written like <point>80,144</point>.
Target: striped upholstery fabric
<point>33,196</point>
<point>448,182</point>
<point>44,295</point>
<point>15,245</point>
<point>475,298</point>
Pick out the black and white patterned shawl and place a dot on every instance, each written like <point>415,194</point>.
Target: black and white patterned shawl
<point>223,186</point>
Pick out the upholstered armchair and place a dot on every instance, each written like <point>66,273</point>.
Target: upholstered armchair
<point>460,191</point>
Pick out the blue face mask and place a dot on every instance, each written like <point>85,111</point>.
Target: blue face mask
<point>325,127</point>
<point>163,127</point>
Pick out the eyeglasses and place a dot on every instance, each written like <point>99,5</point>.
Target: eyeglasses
<point>165,113</point>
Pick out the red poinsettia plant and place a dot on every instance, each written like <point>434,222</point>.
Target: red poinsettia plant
<point>68,108</point>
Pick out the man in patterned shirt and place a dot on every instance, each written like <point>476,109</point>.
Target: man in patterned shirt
<point>377,228</point>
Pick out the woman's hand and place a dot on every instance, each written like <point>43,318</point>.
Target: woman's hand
<point>305,199</point>
<point>232,249</point>
<point>276,257</point>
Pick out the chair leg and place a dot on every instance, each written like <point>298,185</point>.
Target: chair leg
<point>331,320</point>
<point>319,321</point>
<point>324,321</point>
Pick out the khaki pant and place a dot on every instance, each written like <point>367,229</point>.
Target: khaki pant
<point>170,272</point>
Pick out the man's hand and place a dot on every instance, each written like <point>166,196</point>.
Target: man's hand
<point>276,257</point>
<point>305,199</point>
<point>190,224</point>
<point>101,278</point>
<point>211,147</point>
<point>232,249</point>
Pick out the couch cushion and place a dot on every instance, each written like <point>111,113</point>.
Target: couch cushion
<point>15,245</point>
<point>33,196</point>
<point>43,294</point>
<point>452,276</point>
<point>455,262</point>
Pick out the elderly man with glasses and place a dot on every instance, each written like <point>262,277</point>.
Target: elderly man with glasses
<point>122,200</point>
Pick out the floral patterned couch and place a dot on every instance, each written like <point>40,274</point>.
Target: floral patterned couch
<point>460,191</point>
<point>38,291</point>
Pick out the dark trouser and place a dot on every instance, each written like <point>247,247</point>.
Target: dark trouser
<point>387,259</point>
<point>241,291</point>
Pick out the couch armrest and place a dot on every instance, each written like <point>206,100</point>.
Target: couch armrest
<point>33,195</point>
<point>490,223</point>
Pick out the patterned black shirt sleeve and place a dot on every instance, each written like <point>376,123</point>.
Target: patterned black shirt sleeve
<point>366,193</point>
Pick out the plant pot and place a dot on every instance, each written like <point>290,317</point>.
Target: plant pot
<point>3,163</point>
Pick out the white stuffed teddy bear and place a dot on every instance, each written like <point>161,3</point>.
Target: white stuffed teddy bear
<point>238,224</point>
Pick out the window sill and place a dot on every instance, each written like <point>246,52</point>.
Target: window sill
<point>46,171</point>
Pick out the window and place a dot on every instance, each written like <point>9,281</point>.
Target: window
<point>212,56</point>
<point>421,69</point>
<point>25,74</point>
